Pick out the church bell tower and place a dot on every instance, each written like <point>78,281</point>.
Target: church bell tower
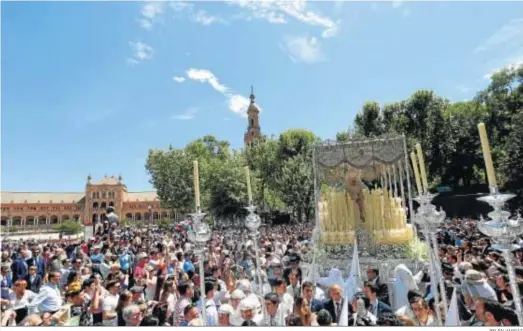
<point>253,127</point>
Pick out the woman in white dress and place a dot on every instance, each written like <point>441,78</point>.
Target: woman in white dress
<point>19,299</point>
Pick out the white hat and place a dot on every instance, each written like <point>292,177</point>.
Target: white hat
<point>247,304</point>
<point>141,255</point>
<point>275,262</point>
<point>244,285</point>
<point>226,309</point>
<point>237,294</point>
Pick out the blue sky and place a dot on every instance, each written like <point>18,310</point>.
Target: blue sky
<point>90,87</point>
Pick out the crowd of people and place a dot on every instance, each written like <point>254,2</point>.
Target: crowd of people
<point>149,277</point>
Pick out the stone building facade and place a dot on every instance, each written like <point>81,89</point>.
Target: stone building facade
<point>28,209</point>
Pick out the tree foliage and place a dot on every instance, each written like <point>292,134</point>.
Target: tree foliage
<point>448,131</point>
<point>68,227</point>
<point>281,175</point>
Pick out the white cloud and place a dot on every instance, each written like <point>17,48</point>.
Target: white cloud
<point>276,12</point>
<point>180,5</point>
<point>237,103</point>
<point>397,4</point>
<point>179,79</point>
<point>206,76</point>
<point>503,49</point>
<point>151,12</point>
<point>303,49</point>
<point>203,18</point>
<point>508,36</point>
<point>187,115</point>
<point>141,52</point>
<point>510,66</point>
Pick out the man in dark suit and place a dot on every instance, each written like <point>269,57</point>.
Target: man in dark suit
<point>377,307</point>
<point>38,261</point>
<point>34,280</point>
<point>373,275</point>
<point>335,303</point>
<point>19,266</point>
<point>307,290</point>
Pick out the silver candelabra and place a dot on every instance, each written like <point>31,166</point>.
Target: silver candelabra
<point>503,230</point>
<point>252,223</point>
<point>199,235</point>
<point>429,219</point>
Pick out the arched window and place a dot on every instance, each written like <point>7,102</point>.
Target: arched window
<point>252,122</point>
<point>104,205</point>
<point>111,204</point>
<point>103,195</point>
<point>95,205</point>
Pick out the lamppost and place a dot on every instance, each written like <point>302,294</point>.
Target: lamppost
<point>199,235</point>
<point>252,223</point>
<point>428,218</point>
<point>503,230</point>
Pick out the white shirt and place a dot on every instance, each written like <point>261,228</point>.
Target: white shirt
<point>150,290</point>
<point>236,318</point>
<point>171,302</point>
<point>109,305</point>
<point>48,299</point>
<point>15,303</point>
<point>211,312</point>
<point>287,303</point>
<point>406,311</point>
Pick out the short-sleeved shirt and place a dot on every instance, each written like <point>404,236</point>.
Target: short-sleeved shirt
<point>109,305</point>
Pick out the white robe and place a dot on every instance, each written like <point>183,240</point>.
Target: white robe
<point>334,278</point>
<point>403,282</point>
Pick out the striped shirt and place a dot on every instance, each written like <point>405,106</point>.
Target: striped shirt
<point>179,307</point>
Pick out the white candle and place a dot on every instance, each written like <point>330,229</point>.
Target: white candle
<point>249,190</point>
<point>196,178</point>
<point>422,168</point>
<point>416,172</point>
<point>491,175</point>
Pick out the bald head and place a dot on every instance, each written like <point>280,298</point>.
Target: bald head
<point>335,292</point>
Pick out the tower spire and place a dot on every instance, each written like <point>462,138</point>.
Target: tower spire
<point>252,94</point>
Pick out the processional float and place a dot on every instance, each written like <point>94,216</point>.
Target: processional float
<point>363,192</point>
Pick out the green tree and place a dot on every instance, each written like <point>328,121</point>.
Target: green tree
<point>165,224</point>
<point>261,158</point>
<point>296,185</point>
<point>369,122</point>
<point>171,174</point>
<point>294,142</point>
<point>465,157</point>
<point>514,165</point>
<point>294,177</point>
<point>68,227</point>
<point>228,188</point>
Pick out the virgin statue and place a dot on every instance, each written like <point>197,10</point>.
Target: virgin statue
<point>354,193</point>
